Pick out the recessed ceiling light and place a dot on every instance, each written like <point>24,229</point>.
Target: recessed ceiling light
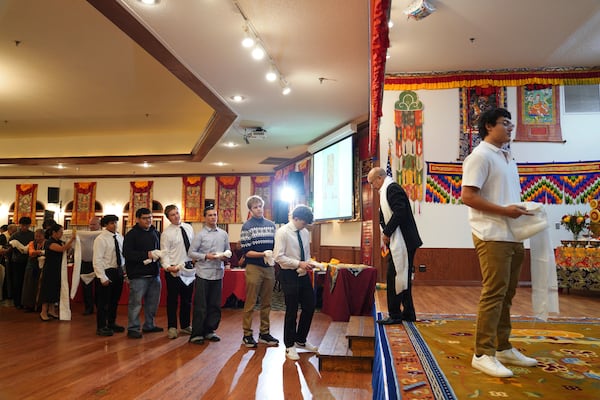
<point>149,2</point>
<point>60,166</point>
<point>145,164</point>
<point>220,164</point>
<point>230,144</point>
<point>237,98</point>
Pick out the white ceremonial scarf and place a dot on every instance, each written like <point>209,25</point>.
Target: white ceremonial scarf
<point>397,245</point>
<point>544,285</point>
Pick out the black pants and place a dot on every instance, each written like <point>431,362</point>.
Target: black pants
<point>88,289</point>
<point>297,291</point>
<point>178,294</point>
<point>207,306</point>
<point>107,298</point>
<point>404,298</point>
<point>17,277</point>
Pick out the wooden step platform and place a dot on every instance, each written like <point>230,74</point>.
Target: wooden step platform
<point>348,346</point>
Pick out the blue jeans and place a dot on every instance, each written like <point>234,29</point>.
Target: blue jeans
<point>147,289</point>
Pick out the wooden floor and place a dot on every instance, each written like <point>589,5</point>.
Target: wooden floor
<point>66,360</point>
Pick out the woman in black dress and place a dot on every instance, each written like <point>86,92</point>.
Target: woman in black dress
<point>50,287</point>
<point>32,271</point>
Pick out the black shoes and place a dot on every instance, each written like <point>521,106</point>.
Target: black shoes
<point>104,332</point>
<point>134,334</point>
<point>197,340</point>
<point>152,330</point>
<point>117,328</point>
<point>389,321</point>
<point>213,337</point>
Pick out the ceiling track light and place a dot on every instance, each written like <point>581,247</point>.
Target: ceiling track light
<point>248,40</point>
<point>252,40</point>
<point>285,87</point>
<point>272,74</point>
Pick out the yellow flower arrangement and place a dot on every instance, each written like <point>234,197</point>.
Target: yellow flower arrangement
<point>575,223</point>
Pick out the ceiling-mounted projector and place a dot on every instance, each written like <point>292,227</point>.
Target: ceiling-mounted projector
<point>256,133</point>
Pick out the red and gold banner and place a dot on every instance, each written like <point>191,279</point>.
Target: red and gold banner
<point>25,201</point>
<point>228,199</point>
<point>193,198</point>
<point>84,202</point>
<point>140,196</point>
<point>281,175</point>
<point>304,167</point>
<point>263,186</point>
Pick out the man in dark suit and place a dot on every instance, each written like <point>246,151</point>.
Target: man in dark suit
<point>400,234</point>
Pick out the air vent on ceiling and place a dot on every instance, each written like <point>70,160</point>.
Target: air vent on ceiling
<point>274,160</point>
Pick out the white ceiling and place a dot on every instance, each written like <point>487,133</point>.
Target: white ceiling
<point>78,90</point>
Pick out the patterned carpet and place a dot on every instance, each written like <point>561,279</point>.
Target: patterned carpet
<point>438,352</point>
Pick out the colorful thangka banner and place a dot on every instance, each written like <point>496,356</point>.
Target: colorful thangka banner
<point>228,192</point>
<point>263,186</point>
<point>140,196</point>
<point>548,183</point>
<point>84,202</point>
<point>193,198</point>
<point>25,201</point>
<point>408,121</point>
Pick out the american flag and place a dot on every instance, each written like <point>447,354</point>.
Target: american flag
<point>388,168</point>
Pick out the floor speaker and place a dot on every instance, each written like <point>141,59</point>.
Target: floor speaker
<point>53,195</point>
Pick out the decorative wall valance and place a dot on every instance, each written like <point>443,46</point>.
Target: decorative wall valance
<point>520,77</point>
<point>549,183</point>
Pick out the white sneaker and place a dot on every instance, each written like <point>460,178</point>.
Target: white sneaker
<point>292,354</point>
<point>489,365</point>
<point>172,333</point>
<point>515,357</point>
<point>307,346</point>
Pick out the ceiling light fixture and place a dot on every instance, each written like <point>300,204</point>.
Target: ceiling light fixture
<point>149,2</point>
<point>285,87</point>
<point>253,40</point>
<point>238,98</point>
<point>272,74</point>
<point>258,53</point>
<point>248,40</point>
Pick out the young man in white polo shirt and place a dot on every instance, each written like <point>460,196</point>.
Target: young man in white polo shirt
<point>491,188</point>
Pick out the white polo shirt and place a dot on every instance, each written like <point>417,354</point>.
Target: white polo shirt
<point>494,172</point>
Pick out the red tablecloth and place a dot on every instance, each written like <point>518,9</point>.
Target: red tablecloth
<point>234,282</point>
<point>125,293</point>
<point>351,295</point>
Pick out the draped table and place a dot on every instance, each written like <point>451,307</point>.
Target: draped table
<point>234,283</point>
<point>349,290</point>
<point>578,267</point>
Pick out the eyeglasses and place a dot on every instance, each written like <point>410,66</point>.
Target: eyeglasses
<point>507,123</point>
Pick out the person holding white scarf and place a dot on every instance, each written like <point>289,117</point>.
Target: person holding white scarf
<point>491,189</point>
<point>402,237</point>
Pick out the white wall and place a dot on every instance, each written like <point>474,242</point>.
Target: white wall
<point>445,225</point>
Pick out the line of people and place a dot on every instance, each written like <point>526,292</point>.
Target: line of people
<point>193,264</point>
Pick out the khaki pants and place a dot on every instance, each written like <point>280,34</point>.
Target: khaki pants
<point>259,282</point>
<point>500,264</point>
